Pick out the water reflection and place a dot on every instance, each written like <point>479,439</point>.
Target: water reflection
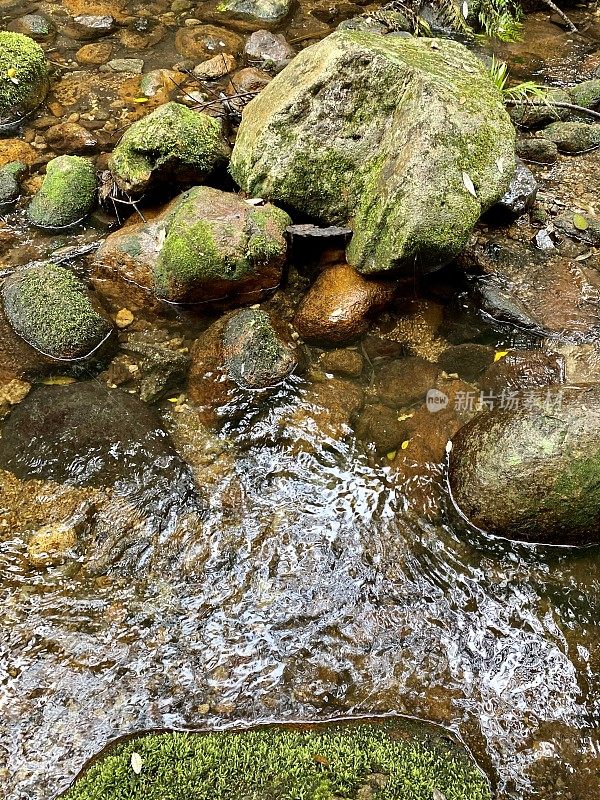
<point>325,592</point>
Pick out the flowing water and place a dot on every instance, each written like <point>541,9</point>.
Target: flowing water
<point>304,579</point>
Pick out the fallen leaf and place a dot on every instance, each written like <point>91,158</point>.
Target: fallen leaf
<point>321,760</point>
<point>465,9</point>
<point>136,763</point>
<point>405,444</point>
<point>12,72</point>
<point>500,164</point>
<point>140,99</point>
<point>391,455</point>
<point>500,354</point>
<point>58,380</point>
<point>580,222</point>
<point>255,201</point>
<point>584,256</point>
<point>468,183</point>
<point>437,795</point>
<point>123,318</point>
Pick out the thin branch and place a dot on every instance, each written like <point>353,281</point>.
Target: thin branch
<point>570,25</point>
<point>540,104</point>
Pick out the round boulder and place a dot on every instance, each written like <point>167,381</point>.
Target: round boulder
<point>531,472</point>
<point>51,309</point>
<point>24,79</point>
<point>172,143</point>
<point>67,194</point>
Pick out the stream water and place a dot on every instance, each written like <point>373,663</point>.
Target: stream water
<point>305,580</point>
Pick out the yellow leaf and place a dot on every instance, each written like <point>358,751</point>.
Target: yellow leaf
<point>500,354</point>
<point>136,763</point>
<point>12,72</point>
<point>402,417</point>
<point>405,444</point>
<point>580,222</point>
<point>58,380</point>
<point>140,99</point>
<point>391,455</point>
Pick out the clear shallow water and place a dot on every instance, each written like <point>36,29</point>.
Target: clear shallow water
<point>314,583</point>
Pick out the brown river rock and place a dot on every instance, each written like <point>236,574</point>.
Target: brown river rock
<point>338,306</point>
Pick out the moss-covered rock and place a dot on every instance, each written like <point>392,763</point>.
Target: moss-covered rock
<point>172,144</point>
<point>24,79</point>
<point>586,93</point>
<point>51,309</point>
<point>257,12</point>
<point>10,175</point>
<point>256,357</point>
<point>406,138</point>
<point>573,137</point>
<point>388,760</point>
<point>531,471</point>
<point>216,243</point>
<point>67,194</point>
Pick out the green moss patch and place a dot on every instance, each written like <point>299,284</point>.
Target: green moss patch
<point>67,194</point>
<point>391,760</point>
<point>51,309</point>
<point>24,79</point>
<point>172,143</point>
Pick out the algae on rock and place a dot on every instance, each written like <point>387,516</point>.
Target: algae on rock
<point>51,309</point>
<point>24,78</point>
<point>214,241</point>
<point>172,143</point>
<point>67,194</point>
<point>405,138</point>
<point>386,759</point>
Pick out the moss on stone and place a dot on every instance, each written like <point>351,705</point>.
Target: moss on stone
<point>204,244</point>
<point>51,309</point>
<point>377,132</point>
<point>573,137</point>
<point>385,761</point>
<point>256,356</point>
<point>24,79</point>
<point>67,194</point>
<point>172,142</point>
<point>586,94</point>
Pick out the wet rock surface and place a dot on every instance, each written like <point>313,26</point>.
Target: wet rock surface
<point>52,310</point>
<point>339,305</point>
<point>67,194</point>
<point>545,458</point>
<point>173,144</point>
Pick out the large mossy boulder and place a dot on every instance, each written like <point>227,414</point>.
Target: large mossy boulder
<point>207,245</point>
<point>67,195</point>
<point>388,760</point>
<point>172,144</point>
<point>531,471</point>
<point>24,78</point>
<point>405,138</point>
<point>52,310</point>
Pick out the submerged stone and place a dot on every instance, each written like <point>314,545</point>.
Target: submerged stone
<point>406,138</point>
<point>67,194</point>
<point>51,309</point>
<point>387,759</point>
<point>172,144</point>
<point>532,472</point>
<point>24,77</point>
<point>255,356</point>
<point>84,434</point>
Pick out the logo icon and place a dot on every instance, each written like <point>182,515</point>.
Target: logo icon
<point>435,400</point>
